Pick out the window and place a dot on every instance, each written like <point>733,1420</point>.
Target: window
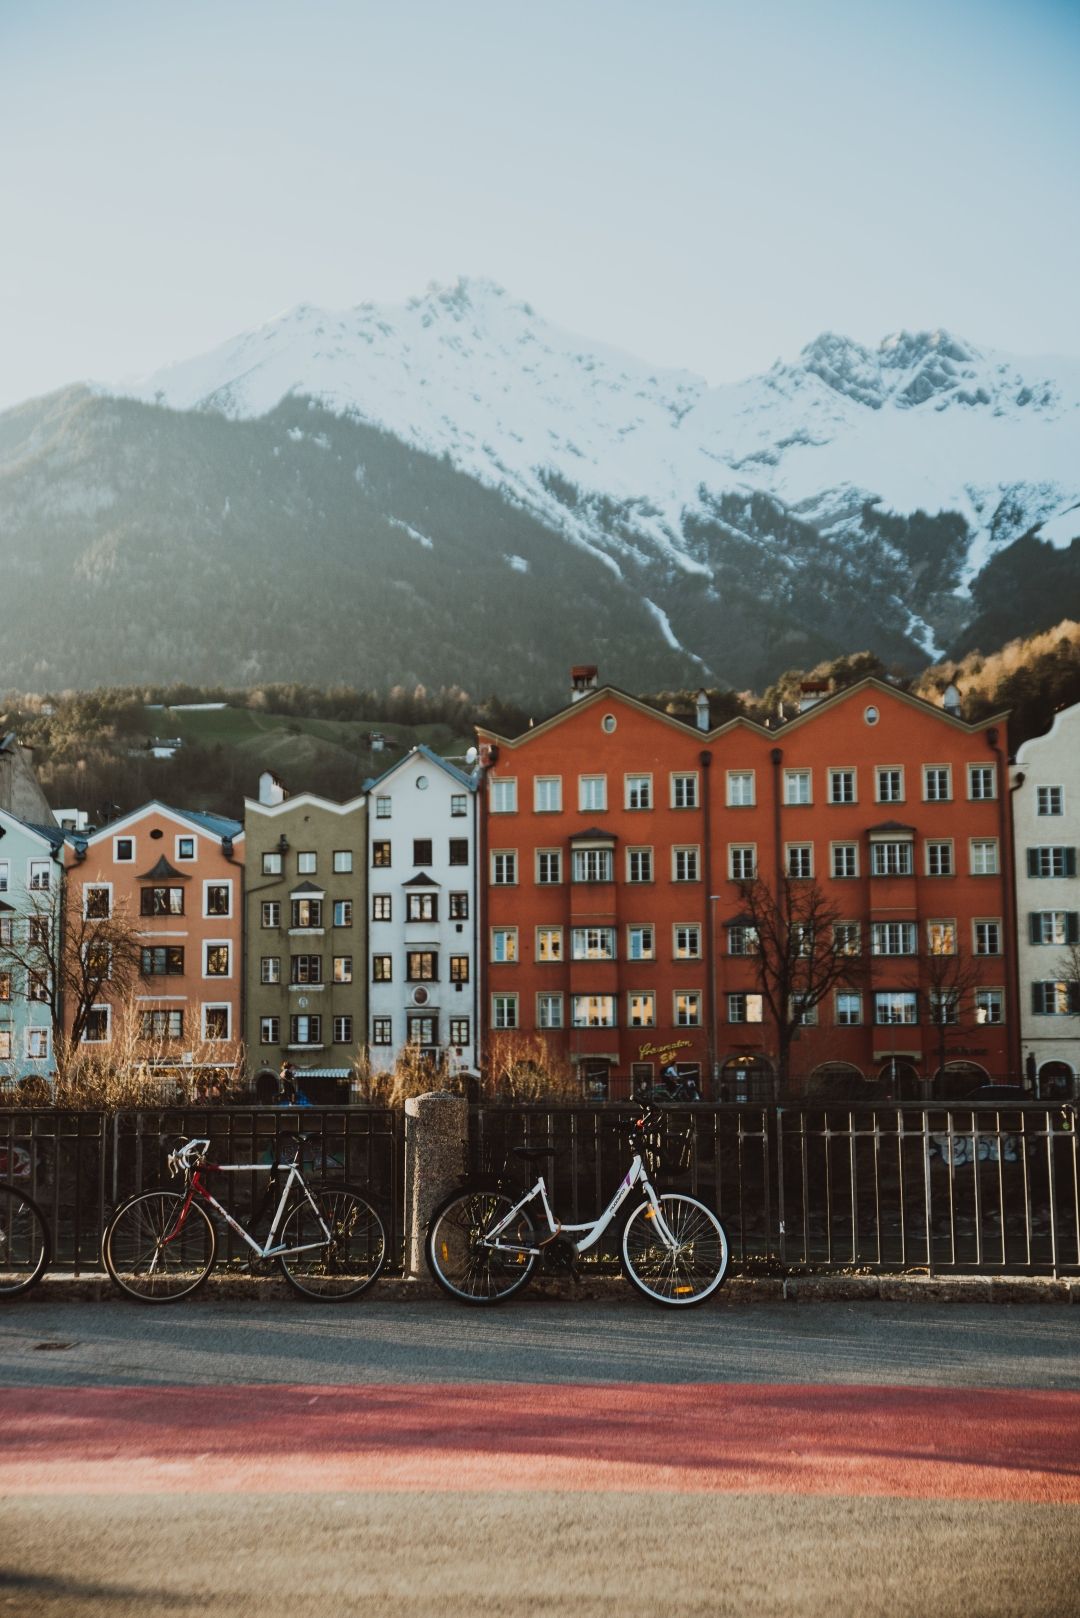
<point>459,907</point>
<point>458,852</point>
<point>161,1025</point>
<point>981,782</point>
<point>639,943</point>
<point>847,938</point>
<point>383,807</point>
<point>37,1044</point>
<point>685,864</point>
<point>305,1030</point>
<point>305,969</point>
<point>890,785</point>
<point>984,856</point>
<point>271,865</point>
<point>684,790</point>
<point>1055,999</point>
<point>1051,800</point>
<point>306,914</point>
<point>123,850</point>
<point>1054,927</point>
<point>343,1030</point>
<point>892,938</point>
<point>639,792</point>
<point>592,944</point>
<point>800,860</point>
<point>504,868</point>
<point>797,784</point>
<point>941,937</point>
<point>459,1031</point>
<point>342,912</point>
<point>5,987</point>
<point>742,939</point>
<point>38,930</point>
<point>742,861</point>
<point>421,966</point>
<point>459,973</point>
<point>37,986</point>
<point>989,1005</point>
<point>342,861</point>
<point>185,848</point>
<point>343,969</point>
<point>1041,861</point>
<point>549,944</point>
<point>845,859</point>
<point>5,1044</point>
<point>891,859</point>
<point>548,866</point>
<point>547,794</point>
<point>459,806</point>
<point>593,1010</point>
<point>842,786</point>
<point>39,876</point>
<point>422,1030</point>
<point>270,969</point>
<point>217,899</point>
<point>380,855</point>
<point>421,851</point>
<point>803,1014</point>
<point>592,793</point>
<point>848,1008</point>
<point>688,1009</point>
<point>687,942</point>
<point>504,944</point>
<point>639,864</point>
<point>504,1011</point>
<point>96,1028</point>
<point>422,907</point>
<point>988,938</point>
<point>642,1009</point>
<point>97,903</point>
<point>5,875</point>
<point>6,931</point>
<point>381,907</point>
<point>382,1031</point>
<point>592,864</point>
<point>502,796</point>
<point>161,901</point>
<point>307,862</point>
<point>549,1011</point>
<point>939,859</point>
<point>895,1006</point>
<point>382,969</point>
<point>943,1006</point>
<point>740,789</point>
<point>270,913</point>
<point>937,783</point>
<point>161,962</point>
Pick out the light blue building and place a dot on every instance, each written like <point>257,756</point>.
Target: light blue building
<point>31,889</point>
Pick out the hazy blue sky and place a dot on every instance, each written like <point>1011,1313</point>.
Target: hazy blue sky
<point>707,185</point>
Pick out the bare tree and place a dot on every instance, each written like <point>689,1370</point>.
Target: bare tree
<point>74,962</point>
<point>802,954</point>
<point>949,978</point>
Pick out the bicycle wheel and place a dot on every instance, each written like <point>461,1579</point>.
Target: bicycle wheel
<point>461,1265</point>
<point>679,1275</point>
<point>24,1242</point>
<point>154,1256</point>
<point>352,1259</point>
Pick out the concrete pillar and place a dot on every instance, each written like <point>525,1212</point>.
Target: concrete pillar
<point>436,1155</point>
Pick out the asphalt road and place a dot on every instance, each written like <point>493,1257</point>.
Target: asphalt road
<point>404,1460</point>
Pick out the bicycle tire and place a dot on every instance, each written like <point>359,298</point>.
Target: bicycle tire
<point>464,1270</point>
<point>687,1275</point>
<point>25,1245</point>
<point>142,1263</point>
<point>354,1259</point>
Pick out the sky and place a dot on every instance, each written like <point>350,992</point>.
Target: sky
<point>706,185</point>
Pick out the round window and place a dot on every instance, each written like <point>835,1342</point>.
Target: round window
<point>608,723</point>
<point>871,715</point>
<point>156,833</point>
<point>421,783</point>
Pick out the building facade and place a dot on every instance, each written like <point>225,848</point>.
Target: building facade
<point>422,873</point>
<point>305,908</point>
<point>31,889</point>
<point>616,841</point>
<point>1046,828</point>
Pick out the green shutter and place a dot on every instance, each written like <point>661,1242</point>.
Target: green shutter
<point>1033,861</point>
<point>1072,927</point>
<point>1034,926</point>
<point>1037,999</point>
<point>1070,862</point>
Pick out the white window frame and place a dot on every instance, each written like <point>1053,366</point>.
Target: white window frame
<point>217,882</point>
<point>737,797</point>
<point>217,943</point>
<point>678,1020</point>
<point>739,849</point>
<point>506,940</point>
<point>546,935</point>
<point>981,770</point>
<point>1042,793</point>
<point>648,999</point>
<point>632,785</point>
<point>638,854</point>
<point>269,969</point>
<point>890,770</point>
<point>608,1001</point>
<point>688,954</point>
<point>985,922</point>
<point>552,788</point>
<point>501,1004</point>
<point>984,843</point>
<point>125,837</point>
<point>503,860</point>
<point>798,786</point>
<point>548,854</point>
<point>502,795</point>
<point>342,854</point>
<point>835,849</point>
<point>930,771</point>
<point>217,1005</point>
<point>185,837</point>
<point>549,1001</point>
<point>790,849</point>
<point>38,1031</point>
<point>841,772</point>
<point>107,1009</point>
<point>96,887</point>
<point>688,854</point>
<point>640,927</point>
<point>683,779</point>
<point>929,847</point>
<point>590,786</point>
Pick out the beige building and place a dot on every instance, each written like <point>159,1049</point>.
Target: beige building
<point>305,937</point>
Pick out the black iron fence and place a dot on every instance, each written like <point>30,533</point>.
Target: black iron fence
<point>961,1189</point>
<point>80,1165</point>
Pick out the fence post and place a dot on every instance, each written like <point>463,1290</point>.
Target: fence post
<point>436,1140</point>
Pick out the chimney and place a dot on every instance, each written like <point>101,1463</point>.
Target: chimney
<point>583,679</point>
<point>701,708</point>
<point>271,789</point>
<point>811,692</point>
<point>951,701</point>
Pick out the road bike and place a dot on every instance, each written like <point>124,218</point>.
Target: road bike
<point>483,1246</point>
<point>327,1239</point>
<point>25,1248</point>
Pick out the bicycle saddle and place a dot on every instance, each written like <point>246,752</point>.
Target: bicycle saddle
<point>531,1153</point>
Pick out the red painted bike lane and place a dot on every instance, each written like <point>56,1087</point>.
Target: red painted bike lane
<point>919,1443</point>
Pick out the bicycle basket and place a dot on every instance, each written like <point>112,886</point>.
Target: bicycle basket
<point>665,1147</point>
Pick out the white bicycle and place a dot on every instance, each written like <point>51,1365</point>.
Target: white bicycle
<point>483,1246</point>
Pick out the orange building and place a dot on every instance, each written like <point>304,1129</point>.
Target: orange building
<point>177,876</point>
<point>614,842</point>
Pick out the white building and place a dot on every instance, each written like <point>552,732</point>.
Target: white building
<point>422,906</point>
<point>1046,828</point>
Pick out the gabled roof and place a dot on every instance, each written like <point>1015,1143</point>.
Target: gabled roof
<point>420,880</point>
<point>163,869</point>
<point>302,800</point>
<point>52,836</point>
<point>214,825</point>
<point>467,781</point>
<point>307,889</point>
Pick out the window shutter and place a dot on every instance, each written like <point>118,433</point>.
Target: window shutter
<point>1033,861</point>
<point>1070,862</point>
<point>1072,927</point>
<point>1037,998</point>
<point>1034,927</point>
<point>1074,998</point>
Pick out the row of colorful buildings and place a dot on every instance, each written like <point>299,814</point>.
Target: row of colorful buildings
<point>577,895</point>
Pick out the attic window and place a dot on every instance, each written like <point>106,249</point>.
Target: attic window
<point>871,715</point>
<point>608,723</point>
<point>156,833</point>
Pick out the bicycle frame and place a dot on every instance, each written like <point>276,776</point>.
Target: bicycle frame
<point>591,1230</point>
<point>196,1188</point>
